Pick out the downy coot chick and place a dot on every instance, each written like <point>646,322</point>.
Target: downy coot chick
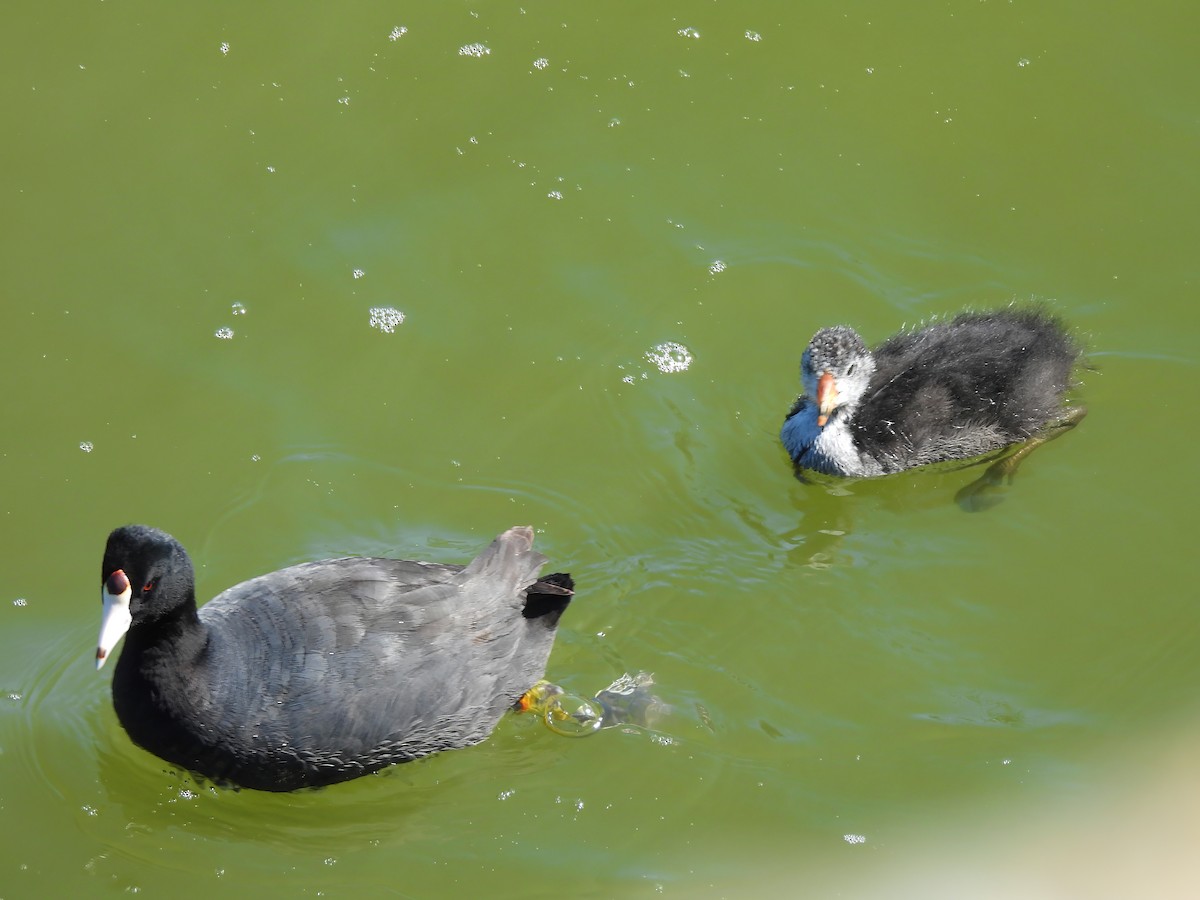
<point>950,390</point>
<point>324,671</point>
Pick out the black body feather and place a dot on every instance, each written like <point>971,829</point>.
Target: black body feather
<point>325,671</point>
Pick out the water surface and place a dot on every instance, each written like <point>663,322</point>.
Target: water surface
<point>209,213</point>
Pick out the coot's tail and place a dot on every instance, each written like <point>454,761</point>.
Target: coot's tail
<point>546,598</point>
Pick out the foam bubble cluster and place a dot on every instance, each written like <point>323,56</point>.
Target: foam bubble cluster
<point>386,318</point>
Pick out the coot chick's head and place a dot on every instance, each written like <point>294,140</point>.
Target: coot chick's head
<point>146,576</point>
<point>835,369</point>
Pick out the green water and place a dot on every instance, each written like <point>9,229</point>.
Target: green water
<point>846,664</point>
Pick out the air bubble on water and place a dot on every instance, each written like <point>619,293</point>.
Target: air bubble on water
<point>386,318</point>
<point>86,446</point>
<point>688,32</point>
<point>670,357</point>
<point>20,601</point>
<point>238,308</point>
<point>225,333</point>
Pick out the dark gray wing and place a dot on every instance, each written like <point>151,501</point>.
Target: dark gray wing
<point>356,663</point>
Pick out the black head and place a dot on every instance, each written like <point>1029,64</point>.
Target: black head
<point>146,577</point>
<point>836,370</point>
<point>835,350</point>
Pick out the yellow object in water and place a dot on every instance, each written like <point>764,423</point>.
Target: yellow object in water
<point>626,700</point>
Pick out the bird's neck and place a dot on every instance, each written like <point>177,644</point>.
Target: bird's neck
<point>829,449</point>
<point>178,638</point>
<point>155,688</point>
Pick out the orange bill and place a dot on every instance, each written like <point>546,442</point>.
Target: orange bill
<point>827,397</point>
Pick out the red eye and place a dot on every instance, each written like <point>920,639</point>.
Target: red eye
<point>149,585</point>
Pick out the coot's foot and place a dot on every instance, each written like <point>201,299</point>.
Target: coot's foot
<point>991,487</point>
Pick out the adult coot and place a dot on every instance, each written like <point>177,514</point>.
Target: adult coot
<point>950,390</point>
<point>324,671</point>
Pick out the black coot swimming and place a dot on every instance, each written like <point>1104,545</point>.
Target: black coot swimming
<point>954,389</point>
<point>325,671</point>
